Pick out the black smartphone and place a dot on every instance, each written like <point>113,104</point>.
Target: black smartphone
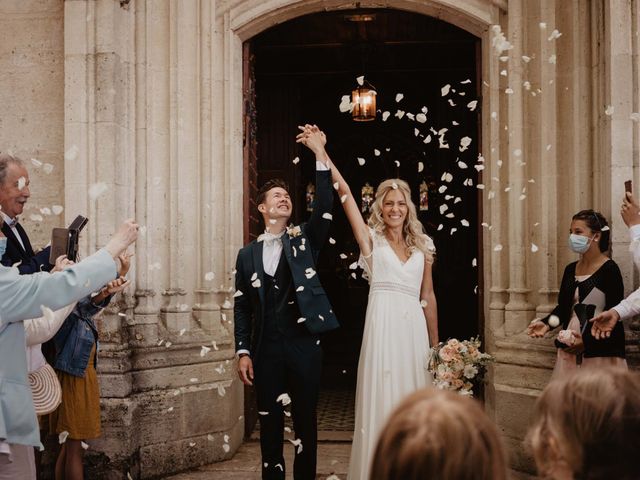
<point>627,186</point>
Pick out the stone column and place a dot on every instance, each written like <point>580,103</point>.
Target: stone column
<point>544,155</point>
<point>517,310</point>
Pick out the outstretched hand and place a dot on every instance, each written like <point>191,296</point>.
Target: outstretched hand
<point>604,323</point>
<point>537,329</point>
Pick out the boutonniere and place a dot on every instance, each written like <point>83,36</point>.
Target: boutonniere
<point>294,231</point>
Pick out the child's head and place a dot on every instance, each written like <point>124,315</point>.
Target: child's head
<point>587,425</point>
<point>439,434</point>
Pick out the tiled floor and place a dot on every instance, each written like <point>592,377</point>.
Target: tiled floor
<point>336,410</point>
<point>336,415</point>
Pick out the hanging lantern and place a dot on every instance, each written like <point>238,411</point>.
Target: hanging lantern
<point>363,98</point>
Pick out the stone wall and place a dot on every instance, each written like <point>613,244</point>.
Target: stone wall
<point>32,99</point>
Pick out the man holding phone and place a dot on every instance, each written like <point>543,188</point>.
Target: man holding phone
<point>14,193</point>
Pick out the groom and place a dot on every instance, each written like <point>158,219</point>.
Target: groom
<point>280,309</point>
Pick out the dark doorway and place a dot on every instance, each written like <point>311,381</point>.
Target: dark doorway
<point>297,72</point>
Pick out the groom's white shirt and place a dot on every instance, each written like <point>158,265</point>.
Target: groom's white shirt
<point>272,249</point>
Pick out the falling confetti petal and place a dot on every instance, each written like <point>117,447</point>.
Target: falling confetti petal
<point>256,283</point>
<point>444,91</point>
<point>555,34</point>
<point>534,248</point>
<point>472,105</point>
<point>71,154</point>
<point>508,91</point>
<point>376,152</point>
<point>497,248</point>
<point>385,115</point>
<point>464,143</point>
<point>97,190</point>
<point>499,41</point>
<point>420,167</point>
<point>345,104</point>
<point>204,350</point>
<point>62,437</point>
<point>399,97</point>
<point>284,398</point>
<point>421,118</point>
<point>296,160</point>
<point>36,163</point>
<point>209,276</point>
<point>327,216</point>
<point>361,161</point>
<point>609,110</point>
<point>360,80</point>
<point>553,59</point>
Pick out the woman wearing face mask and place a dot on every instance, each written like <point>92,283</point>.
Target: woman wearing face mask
<point>589,286</point>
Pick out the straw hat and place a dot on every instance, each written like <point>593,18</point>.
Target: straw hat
<point>45,389</point>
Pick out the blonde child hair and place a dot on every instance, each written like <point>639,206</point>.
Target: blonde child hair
<point>588,425</point>
<point>440,435</point>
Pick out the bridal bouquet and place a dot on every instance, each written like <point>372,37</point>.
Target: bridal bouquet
<point>457,365</point>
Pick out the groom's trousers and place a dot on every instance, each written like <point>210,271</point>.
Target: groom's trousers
<point>290,365</point>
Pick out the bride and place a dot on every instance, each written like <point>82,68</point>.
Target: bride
<point>401,318</point>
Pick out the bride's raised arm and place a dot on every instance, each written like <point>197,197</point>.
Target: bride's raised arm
<point>315,139</point>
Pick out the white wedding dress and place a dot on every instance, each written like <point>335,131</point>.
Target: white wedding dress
<point>395,346</point>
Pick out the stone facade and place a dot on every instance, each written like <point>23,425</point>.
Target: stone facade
<point>147,97</point>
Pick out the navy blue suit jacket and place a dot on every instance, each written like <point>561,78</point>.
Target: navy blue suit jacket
<point>30,262</point>
<point>311,298</point>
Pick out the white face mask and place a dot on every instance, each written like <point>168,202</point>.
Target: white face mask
<point>579,243</point>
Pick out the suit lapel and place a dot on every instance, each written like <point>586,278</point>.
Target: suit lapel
<point>11,238</point>
<point>258,268</point>
<point>286,247</point>
<point>25,240</point>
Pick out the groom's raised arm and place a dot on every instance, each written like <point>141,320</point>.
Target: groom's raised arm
<point>318,225</point>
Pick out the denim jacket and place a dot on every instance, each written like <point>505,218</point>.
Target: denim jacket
<point>76,337</point>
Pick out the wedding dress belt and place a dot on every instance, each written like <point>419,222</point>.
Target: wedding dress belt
<point>395,288</point>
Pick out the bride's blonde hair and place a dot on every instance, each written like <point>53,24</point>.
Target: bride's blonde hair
<point>413,232</point>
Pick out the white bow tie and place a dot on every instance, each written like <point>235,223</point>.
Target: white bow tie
<point>268,237</point>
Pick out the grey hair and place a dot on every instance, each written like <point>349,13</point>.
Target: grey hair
<point>5,160</point>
